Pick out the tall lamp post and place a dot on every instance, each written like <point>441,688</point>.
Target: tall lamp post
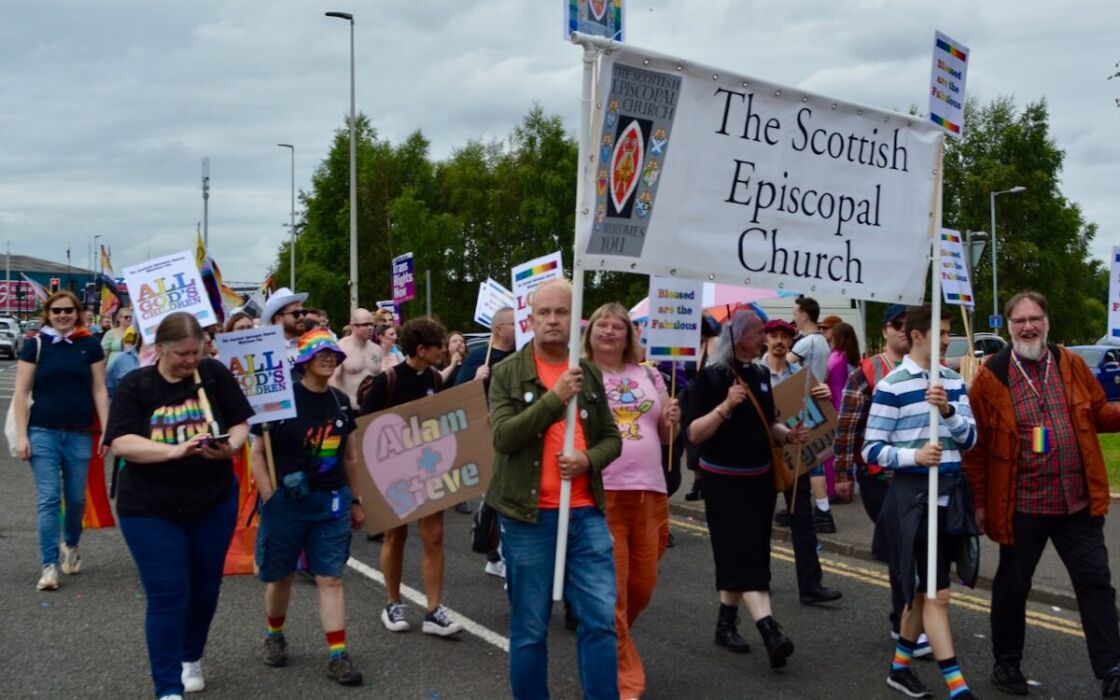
<point>292,249</point>
<point>995,249</point>
<point>353,170</point>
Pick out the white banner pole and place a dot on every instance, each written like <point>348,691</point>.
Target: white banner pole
<point>585,155</point>
<point>934,378</point>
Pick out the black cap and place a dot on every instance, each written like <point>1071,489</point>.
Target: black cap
<point>893,312</point>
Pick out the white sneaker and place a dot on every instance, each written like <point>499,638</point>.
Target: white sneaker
<point>496,568</point>
<point>71,559</point>
<point>921,647</point>
<point>174,696</point>
<point>193,682</point>
<point>48,580</point>
<point>438,622</point>
<point>392,616</point>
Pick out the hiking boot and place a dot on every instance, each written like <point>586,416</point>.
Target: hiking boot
<point>48,579</point>
<point>71,559</point>
<point>392,616</point>
<point>823,522</point>
<point>697,493</point>
<point>1007,677</point>
<point>341,670</point>
<point>275,650</point>
<point>727,631</point>
<point>193,682</point>
<point>439,623</point>
<point>778,645</point>
<point>906,681</point>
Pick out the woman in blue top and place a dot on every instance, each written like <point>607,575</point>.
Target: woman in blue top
<point>65,367</point>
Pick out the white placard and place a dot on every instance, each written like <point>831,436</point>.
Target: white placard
<point>946,84</point>
<point>676,311</point>
<point>956,287</point>
<point>703,173</point>
<point>1114,295</point>
<point>255,357</point>
<point>527,277</point>
<point>492,296</point>
<point>162,286</point>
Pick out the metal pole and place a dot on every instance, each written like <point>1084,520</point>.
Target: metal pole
<point>934,378</point>
<point>995,262</point>
<point>8,281</point>
<point>353,170</point>
<point>428,291</point>
<point>206,202</point>
<point>292,231</point>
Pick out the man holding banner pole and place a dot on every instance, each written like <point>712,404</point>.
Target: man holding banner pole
<point>529,396</point>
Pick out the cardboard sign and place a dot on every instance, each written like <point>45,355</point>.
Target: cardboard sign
<point>603,18</point>
<point>790,402</point>
<point>672,332</point>
<point>527,277</point>
<point>956,287</point>
<point>1114,295</point>
<point>162,286</point>
<point>255,357</point>
<point>423,456</point>
<point>492,296</point>
<point>707,174</point>
<point>947,76</point>
<point>404,281</point>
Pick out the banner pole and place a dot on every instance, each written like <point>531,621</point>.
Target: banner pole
<point>934,378</point>
<point>585,154</point>
<point>489,347</point>
<point>797,458</point>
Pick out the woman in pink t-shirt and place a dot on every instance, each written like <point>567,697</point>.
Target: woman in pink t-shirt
<point>637,504</point>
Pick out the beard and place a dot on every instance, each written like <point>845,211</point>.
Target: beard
<point>1033,349</point>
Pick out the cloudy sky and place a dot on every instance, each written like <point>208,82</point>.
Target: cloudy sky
<point>108,108</point>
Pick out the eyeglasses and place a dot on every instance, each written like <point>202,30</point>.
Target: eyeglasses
<point>63,310</point>
<point>298,313</point>
<point>1033,320</point>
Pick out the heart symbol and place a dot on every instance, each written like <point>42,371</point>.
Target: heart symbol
<point>403,456</point>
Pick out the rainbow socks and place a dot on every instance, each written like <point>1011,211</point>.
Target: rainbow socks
<point>275,625</point>
<point>903,654</point>
<point>336,642</point>
<point>954,680</point>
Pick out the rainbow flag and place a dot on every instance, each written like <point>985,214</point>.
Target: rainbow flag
<point>40,291</point>
<point>535,270</point>
<point>222,298</point>
<point>110,295</point>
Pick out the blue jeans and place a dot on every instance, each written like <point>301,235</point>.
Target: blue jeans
<point>180,564</point>
<point>60,463</point>
<point>529,551</point>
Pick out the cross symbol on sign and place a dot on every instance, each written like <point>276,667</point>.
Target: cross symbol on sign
<point>429,459</point>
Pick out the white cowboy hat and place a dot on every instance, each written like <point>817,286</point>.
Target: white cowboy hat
<point>279,299</point>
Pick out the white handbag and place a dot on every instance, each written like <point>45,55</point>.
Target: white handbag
<point>10,419</point>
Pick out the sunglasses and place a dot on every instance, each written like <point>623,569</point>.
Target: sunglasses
<point>63,310</point>
<point>298,313</point>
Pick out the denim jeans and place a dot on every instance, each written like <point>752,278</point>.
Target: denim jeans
<point>60,463</point>
<point>589,586</point>
<point>180,564</point>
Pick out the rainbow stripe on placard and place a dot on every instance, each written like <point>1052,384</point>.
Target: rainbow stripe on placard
<point>950,237</point>
<point>945,123</point>
<point>535,270</point>
<point>1040,440</point>
<point>953,296</point>
<point>952,50</point>
<point>277,406</point>
<point>672,352</point>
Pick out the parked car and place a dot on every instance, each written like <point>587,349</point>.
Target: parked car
<point>1104,363</point>
<point>984,345</point>
<point>11,340</point>
<point>31,329</point>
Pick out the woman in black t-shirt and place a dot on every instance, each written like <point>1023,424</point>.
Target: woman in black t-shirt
<point>177,425</point>
<point>310,506</point>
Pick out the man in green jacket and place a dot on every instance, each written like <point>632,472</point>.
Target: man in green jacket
<point>529,393</point>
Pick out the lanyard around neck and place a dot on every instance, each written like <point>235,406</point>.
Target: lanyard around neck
<point>1027,377</point>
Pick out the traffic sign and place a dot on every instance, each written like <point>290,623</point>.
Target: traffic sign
<point>995,321</point>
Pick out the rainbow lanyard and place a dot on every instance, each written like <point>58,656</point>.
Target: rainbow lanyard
<point>1040,435</point>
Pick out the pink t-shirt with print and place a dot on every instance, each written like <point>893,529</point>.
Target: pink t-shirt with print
<point>636,405</point>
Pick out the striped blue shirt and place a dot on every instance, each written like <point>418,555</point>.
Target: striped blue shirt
<point>898,424</point>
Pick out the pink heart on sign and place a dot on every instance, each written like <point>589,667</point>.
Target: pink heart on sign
<point>402,456</point>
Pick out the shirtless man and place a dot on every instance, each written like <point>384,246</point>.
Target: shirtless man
<point>363,356</point>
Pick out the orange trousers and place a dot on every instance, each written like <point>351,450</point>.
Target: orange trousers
<point>639,526</point>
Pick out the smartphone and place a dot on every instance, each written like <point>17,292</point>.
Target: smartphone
<point>215,439</point>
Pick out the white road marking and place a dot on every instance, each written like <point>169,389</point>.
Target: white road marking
<point>417,598</point>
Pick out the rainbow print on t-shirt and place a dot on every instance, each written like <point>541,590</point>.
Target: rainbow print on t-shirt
<point>326,444</point>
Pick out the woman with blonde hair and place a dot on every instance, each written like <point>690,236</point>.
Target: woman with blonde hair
<point>112,343</point>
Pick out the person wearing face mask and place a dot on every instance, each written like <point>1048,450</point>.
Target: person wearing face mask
<point>65,367</point>
<point>177,425</point>
<point>1038,475</point>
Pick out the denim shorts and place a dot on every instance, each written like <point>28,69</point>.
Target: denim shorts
<point>310,524</point>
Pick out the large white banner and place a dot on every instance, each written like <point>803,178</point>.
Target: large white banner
<point>162,286</point>
<point>526,277</point>
<point>707,174</point>
<point>255,357</point>
<point>1114,295</point>
<point>956,286</point>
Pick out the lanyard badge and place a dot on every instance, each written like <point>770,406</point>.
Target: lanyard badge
<point>1040,440</point>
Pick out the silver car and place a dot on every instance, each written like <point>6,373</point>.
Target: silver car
<point>11,338</point>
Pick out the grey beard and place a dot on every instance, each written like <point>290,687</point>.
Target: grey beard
<point>1033,351</point>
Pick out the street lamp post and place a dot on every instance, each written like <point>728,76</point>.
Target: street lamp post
<point>353,170</point>
<point>292,249</point>
<point>995,249</point>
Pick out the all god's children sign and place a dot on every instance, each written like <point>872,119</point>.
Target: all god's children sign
<point>255,357</point>
<point>424,456</point>
<point>165,285</point>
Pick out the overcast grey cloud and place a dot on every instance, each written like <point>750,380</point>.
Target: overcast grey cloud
<point>108,108</point>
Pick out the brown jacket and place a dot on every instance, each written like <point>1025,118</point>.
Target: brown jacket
<point>992,466</point>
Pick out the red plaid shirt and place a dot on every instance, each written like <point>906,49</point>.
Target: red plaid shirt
<point>1052,483</point>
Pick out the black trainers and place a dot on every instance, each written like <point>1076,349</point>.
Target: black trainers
<point>1008,678</point>
<point>439,623</point>
<point>823,522</point>
<point>1110,684</point>
<point>906,681</point>
<point>821,595</point>
<point>341,670</point>
<point>275,650</point>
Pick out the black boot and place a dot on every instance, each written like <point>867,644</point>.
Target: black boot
<point>695,494</point>
<point>778,645</point>
<point>727,633</point>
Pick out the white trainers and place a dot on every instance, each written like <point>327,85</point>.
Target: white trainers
<point>48,580</point>
<point>173,696</point>
<point>438,622</point>
<point>71,559</point>
<point>193,682</point>
<point>496,568</point>
<point>392,616</point>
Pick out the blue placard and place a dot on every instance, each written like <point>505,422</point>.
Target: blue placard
<point>995,321</point>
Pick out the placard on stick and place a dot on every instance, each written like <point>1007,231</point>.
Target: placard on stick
<point>675,314</point>
<point>526,277</point>
<point>162,286</point>
<point>819,417</point>
<point>255,357</point>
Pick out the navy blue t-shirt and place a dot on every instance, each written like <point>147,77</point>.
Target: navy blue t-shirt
<point>63,383</point>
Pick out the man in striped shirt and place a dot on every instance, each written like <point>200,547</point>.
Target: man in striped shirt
<point>898,437</point>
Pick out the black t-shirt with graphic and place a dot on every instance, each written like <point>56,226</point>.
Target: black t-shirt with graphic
<point>147,405</point>
<point>315,440</point>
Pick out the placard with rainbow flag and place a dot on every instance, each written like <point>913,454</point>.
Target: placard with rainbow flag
<point>526,277</point>
<point>946,84</point>
<point>676,310</point>
<point>956,286</point>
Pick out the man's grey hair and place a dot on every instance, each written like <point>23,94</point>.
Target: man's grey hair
<point>741,321</point>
